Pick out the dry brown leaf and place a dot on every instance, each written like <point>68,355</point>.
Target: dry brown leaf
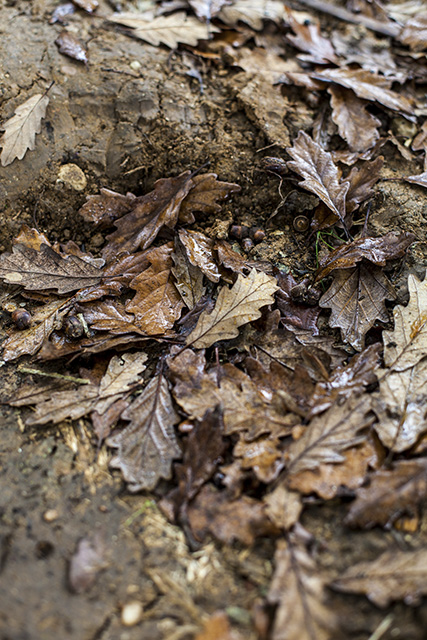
<point>109,315</point>
<point>414,33</point>
<point>309,39</point>
<point>45,320</point>
<point>253,12</point>
<point>420,179</point>
<point>20,130</point>
<point>70,46</point>
<point>188,278</point>
<point>361,182</point>
<point>157,303</point>
<point>390,494</point>
<point>217,627</point>
<point>295,315</point>
<point>394,575</point>
<point>148,445</point>
<point>327,436</point>
<point>46,269</point>
<point>199,251</point>
<point>321,175</point>
<point>298,590</point>
<point>107,206</point>
<point>376,250</point>
<point>122,374</point>
<point>368,86</point>
<point>356,125</point>
<point>151,212</point>
<point>234,307</point>
<point>168,30</point>
<point>31,238</point>
<point>407,344</point>
<point>116,276</point>
<point>266,63</point>
<point>283,507</point>
<point>204,195</point>
<point>230,259</point>
<point>357,298</point>
<point>262,455</point>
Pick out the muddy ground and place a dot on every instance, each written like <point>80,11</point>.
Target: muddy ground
<point>126,126</point>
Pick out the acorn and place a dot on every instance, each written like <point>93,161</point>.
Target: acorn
<point>258,235</point>
<point>73,327</point>
<point>238,231</point>
<point>22,319</point>
<point>301,223</point>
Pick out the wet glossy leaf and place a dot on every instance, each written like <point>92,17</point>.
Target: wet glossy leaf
<point>234,307</point>
<point>20,130</point>
<point>188,278</point>
<point>199,251</point>
<point>106,207</point>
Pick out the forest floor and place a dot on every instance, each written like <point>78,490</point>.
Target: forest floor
<point>133,114</point>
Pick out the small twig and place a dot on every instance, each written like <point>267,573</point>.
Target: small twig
<point>388,29</point>
<point>382,628</point>
<point>53,375</point>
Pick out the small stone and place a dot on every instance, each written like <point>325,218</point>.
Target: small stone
<point>50,515</point>
<point>135,65</point>
<point>131,613</point>
<point>72,176</point>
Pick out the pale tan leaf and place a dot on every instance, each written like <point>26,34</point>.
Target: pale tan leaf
<point>188,278</point>
<point>168,30</point>
<point>357,298</point>
<point>407,344</point>
<point>356,125</point>
<point>414,33</point>
<point>283,507</point>
<point>253,12</point>
<point>321,175</point>
<point>390,494</point>
<point>234,307</point>
<point>207,9</point>
<point>394,575</point>
<point>327,436</point>
<point>309,39</point>
<point>266,63</point>
<point>420,179</point>
<point>46,269</point>
<point>20,130</point>
<point>148,445</point>
<point>298,590</point>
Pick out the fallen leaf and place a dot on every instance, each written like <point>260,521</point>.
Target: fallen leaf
<point>106,207</point>
<point>356,125</point>
<point>283,507</point>
<point>357,298</point>
<point>85,564</point>
<point>188,278</point>
<point>234,307</point>
<point>109,315</point>
<point>204,195</point>
<point>217,627</point>
<point>309,39</point>
<point>394,575</point>
<point>298,591</point>
<point>20,130</point>
<point>116,276</point>
<point>414,32</point>
<point>321,175</point>
<point>87,5</point>
<point>157,303</point>
<point>148,445</point>
<point>199,251</point>
<point>70,46</point>
<point>253,12</point>
<point>262,455</point>
<point>31,238</point>
<point>368,86</point>
<point>207,9</point>
<point>230,259</point>
<point>327,436</point>
<point>168,30</point>
<point>151,212</point>
<point>265,63</point>
<point>46,269</point>
<point>294,314</point>
<point>361,182</point>
<point>390,494</point>
<point>376,250</point>
<point>420,179</point>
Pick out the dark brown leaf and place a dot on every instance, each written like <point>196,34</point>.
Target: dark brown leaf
<point>205,192</point>
<point>293,313</point>
<point>357,298</point>
<point>361,182</point>
<point>70,46</point>
<point>230,259</point>
<point>106,207</point>
<point>356,125</point>
<point>148,445</point>
<point>109,315</point>
<point>151,212</point>
<point>116,276</point>
<point>46,269</point>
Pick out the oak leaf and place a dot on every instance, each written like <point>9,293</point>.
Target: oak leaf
<point>361,182</point>
<point>294,314</point>
<point>394,575</point>
<point>356,125</point>
<point>283,507</point>
<point>106,207</point>
<point>45,269</point>
<point>253,12</point>
<point>200,252</point>
<point>298,590</point>
<point>321,175</point>
<point>204,195</point>
<point>31,238</point>
<point>309,39</point>
<point>109,315</point>
<point>168,30</point>
<point>188,278</point>
<point>148,445</point>
<point>357,299</point>
<point>236,306</point>
<point>20,130</point>
<point>390,494</point>
<point>151,212</point>
<point>207,9</point>
<point>262,455</point>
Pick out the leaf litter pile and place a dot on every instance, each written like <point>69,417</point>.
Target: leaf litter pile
<point>237,394</point>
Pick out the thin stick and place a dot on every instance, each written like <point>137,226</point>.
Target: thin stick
<point>391,29</point>
<point>53,375</point>
<point>382,628</point>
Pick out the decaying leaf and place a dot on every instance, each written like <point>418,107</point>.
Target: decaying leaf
<point>20,130</point>
<point>294,314</point>
<point>234,307</point>
<point>414,33</point>
<point>262,455</point>
<point>70,46</point>
<point>168,30</point>
<point>355,124</point>
<point>107,206</point>
<point>298,590</point>
<point>252,12</point>
<point>188,278</point>
<point>420,179</point>
<point>148,445</point>
<point>46,269</point>
<point>361,182</point>
<point>204,195</point>
<point>321,175</point>
<point>199,251</point>
<point>217,627</point>
<point>151,212</point>
<point>390,494</point>
<point>394,575</point>
<point>284,507</point>
<point>357,298</point>
<point>309,39</point>
<point>109,315</point>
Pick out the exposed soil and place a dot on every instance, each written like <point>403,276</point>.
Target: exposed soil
<point>126,128</point>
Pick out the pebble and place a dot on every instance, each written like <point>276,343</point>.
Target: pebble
<point>135,65</point>
<point>131,613</point>
<point>72,176</point>
<point>50,515</point>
